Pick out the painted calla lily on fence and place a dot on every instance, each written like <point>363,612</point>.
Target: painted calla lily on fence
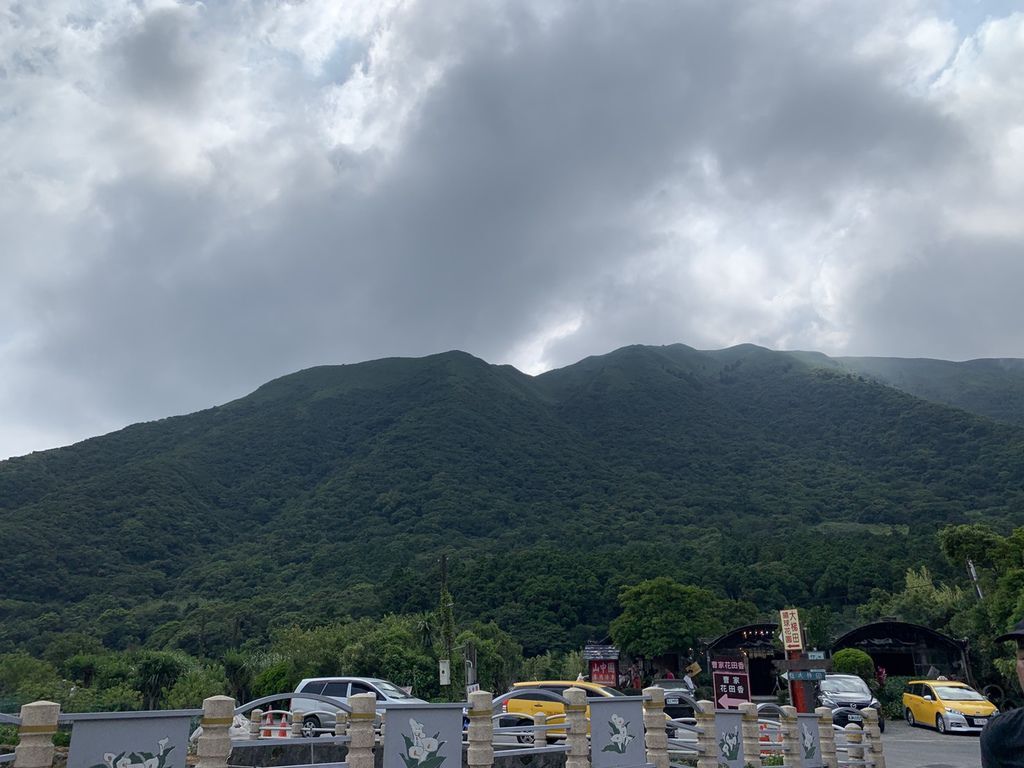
<point>137,759</point>
<point>620,735</point>
<point>421,751</point>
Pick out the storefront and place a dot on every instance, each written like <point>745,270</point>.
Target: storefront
<point>909,650</point>
<point>756,644</point>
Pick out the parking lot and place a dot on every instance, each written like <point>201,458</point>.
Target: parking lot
<point>907,747</point>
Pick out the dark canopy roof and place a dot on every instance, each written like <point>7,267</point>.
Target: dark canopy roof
<point>750,636</point>
<point>895,634</point>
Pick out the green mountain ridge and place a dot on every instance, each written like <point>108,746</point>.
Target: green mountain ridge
<point>769,476</point>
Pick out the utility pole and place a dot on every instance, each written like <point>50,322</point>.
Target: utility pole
<point>447,621</point>
<point>974,578</point>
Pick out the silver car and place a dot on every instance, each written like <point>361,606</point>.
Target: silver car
<point>318,716</point>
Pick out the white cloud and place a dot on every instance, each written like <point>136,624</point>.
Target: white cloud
<point>197,197</point>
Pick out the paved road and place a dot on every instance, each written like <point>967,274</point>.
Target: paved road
<point>907,747</point>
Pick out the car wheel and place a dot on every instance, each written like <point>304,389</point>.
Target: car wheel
<point>881,724</point>
<point>940,724</point>
<point>524,738</point>
<point>310,725</point>
<point>910,717</point>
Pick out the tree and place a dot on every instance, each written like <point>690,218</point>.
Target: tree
<point>196,684</point>
<point>663,616</point>
<point>920,602</point>
<point>156,672</point>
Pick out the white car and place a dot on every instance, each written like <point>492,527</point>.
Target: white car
<point>318,716</point>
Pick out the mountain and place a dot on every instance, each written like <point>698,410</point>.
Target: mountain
<point>992,387</point>
<point>767,476</point>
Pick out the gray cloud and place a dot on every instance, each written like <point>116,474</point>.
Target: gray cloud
<point>242,190</point>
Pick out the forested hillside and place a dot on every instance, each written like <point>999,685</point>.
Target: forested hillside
<point>991,387</point>
<point>332,492</point>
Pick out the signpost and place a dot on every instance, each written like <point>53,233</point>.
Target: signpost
<point>731,681</point>
<point>793,642</point>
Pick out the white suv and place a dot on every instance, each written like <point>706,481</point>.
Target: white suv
<point>320,715</point>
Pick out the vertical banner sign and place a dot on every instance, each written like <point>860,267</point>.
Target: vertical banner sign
<point>792,638</point>
<point>731,681</point>
<point>119,740</point>
<point>729,734</point>
<point>809,738</point>
<point>423,736</point>
<point>617,732</point>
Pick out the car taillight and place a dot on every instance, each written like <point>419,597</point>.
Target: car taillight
<point>504,707</point>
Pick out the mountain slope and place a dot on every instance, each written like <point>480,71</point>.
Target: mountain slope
<point>993,388</point>
<point>332,491</point>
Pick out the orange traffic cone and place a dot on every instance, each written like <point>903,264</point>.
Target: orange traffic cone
<point>282,731</point>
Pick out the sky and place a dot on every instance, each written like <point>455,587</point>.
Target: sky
<point>196,198</point>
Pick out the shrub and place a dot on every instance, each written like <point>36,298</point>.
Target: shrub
<point>852,661</point>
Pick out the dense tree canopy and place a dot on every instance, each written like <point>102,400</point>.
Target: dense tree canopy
<point>737,481</point>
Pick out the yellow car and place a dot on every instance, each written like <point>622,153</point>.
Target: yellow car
<point>521,709</point>
<point>946,705</point>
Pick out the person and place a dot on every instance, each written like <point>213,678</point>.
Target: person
<point>691,687</point>
<point>1002,740</point>
<point>669,675</point>
<point>691,672</point>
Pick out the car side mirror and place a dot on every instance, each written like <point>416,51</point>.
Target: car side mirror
<point>927,697</point>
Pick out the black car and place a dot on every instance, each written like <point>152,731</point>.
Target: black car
<point>677,698</point>
<point>846,695</point>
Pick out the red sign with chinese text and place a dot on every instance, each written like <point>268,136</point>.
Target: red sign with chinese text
<point>604,672</point>
<point>731,681</point>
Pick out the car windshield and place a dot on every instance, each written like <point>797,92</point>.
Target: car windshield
<point>392,691</point>
<point>611,691</point>
<point>844,685</point>
<point>957,693</point>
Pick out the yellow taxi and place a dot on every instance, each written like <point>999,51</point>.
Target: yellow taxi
<point>946,705</point>
<point>521,709</point>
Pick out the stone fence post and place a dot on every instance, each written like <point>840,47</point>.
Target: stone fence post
<point>361,736</point>
<point>341,723</point>
<point>707,740</point>
<point>751,735</point>
<point>873,737</point>
<point>215,742</point>
<point>576,720</point>
<point>256,724</point>
<point>827,738</point>
<point>655,735</point>
<point>854,743</point>
<point>790,737</point>
<point>540,733</point>
<point>296,730</point>
<point>480,734</point>
<point>35,735</point>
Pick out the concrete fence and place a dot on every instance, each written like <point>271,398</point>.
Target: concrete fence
<point>621,732</point>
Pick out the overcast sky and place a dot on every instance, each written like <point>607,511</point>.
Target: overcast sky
<point>197,198</point>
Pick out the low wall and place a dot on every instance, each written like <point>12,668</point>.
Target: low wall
<point>272,755</point>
